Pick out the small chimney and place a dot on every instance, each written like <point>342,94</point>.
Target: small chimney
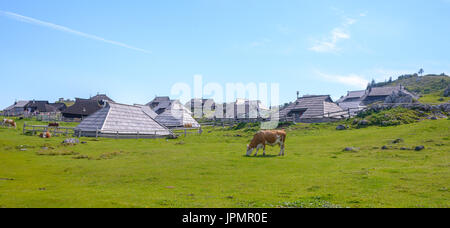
<point>298,94</point>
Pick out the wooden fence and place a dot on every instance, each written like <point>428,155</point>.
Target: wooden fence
<point>186,131</point>
<point>55,131</point>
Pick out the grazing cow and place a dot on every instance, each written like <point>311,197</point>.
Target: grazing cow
<point>263,138</point>
<point>45,135</point>
<point>188,125</point>
<point>7,122</point>
<point>53,124</point>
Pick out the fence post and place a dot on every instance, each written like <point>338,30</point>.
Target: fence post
<point>117,134</point>
<point>137,135</point>
<point>24,126</point>
<point>96,134</point>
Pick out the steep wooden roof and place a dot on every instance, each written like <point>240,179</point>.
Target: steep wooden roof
<point>123,119</point>
<point>84,107</point>
<point>101,97</point>
<point>312,106</point>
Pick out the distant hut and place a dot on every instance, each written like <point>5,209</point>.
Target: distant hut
<point>177,116</point>
<point>17,109</point>
<point>59,106</point>
<point>82,108</point>
<point>38,107</point>
<point>160,104</point>
<point>379,94</point>
<point>201,107</point>
<point>242,109</point>
<point>122,121</point>
<point>102,98</point>
<point>313,109</point>
<point>353,101</point>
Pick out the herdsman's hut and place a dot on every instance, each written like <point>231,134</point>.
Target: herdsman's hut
<point>177,116</point>
<point>313,109</point>
<point>17,109</point>
<point>201,107</point>
<point>102,98</point>
<point>355,101</point>
<point>160,104</point>
<point>40,107</point>
<point>121,121</point>
<point>82,109</point>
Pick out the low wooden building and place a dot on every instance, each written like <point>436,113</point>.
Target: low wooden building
<point>37,107</point>
<point>320,108</point>
<point>17,109</point>
<point>102,98</point>
<point>201,107</point>
<point>177,116</point>
<point>358,100</point>
<point>82,108</point>
<point>160,104</point>
<point>121,121</point>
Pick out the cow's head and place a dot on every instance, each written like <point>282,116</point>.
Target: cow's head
<point>249,150</point>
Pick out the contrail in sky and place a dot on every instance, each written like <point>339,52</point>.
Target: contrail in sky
<point>33,21</point>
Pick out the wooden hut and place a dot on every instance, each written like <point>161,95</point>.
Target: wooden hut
<point>177,116</point>
<point>315,108</point>
<point>121,121</point>
<point>82,108</point>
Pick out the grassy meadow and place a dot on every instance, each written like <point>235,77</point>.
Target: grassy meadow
<point>211,170</point>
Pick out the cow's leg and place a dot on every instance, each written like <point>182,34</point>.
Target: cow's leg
<point>257,149</point>
<point>264,153</point>
<point>281,149</point>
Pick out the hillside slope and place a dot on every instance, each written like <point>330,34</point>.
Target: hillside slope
<point>430,87</point>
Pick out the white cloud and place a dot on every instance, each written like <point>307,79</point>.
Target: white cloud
<point>337,34</point>
<point>330,44</point>
<point>354,80</point>
<point>33,21</point>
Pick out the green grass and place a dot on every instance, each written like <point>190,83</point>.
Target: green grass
<point>211,170</point>
<point>434,98</point>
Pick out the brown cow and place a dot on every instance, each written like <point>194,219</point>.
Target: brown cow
<point>263,138</point>
<point>8,122</point>
<point>53,124</point>
<point>45,135</point>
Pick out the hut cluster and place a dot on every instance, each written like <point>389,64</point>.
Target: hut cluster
<point>102,115</point>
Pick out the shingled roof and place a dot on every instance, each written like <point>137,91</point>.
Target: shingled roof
<point>311,107</point>
<point>123,120</point>
<point>40,106</point>
<point>177,116</point>
<point>101,97</point>
<point>17,104</point>
<point>59,106</point>
<point>82,108</point>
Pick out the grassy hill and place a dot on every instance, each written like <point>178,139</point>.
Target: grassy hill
<point>429,87</point>
<point>211,170</point>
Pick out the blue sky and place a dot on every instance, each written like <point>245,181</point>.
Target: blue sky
<point>133,50</point>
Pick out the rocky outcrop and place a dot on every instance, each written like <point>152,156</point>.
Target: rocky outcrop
<point>341,127</point>
<point>447,92</point>
<point>71,141</point>
<point>399,97</point>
